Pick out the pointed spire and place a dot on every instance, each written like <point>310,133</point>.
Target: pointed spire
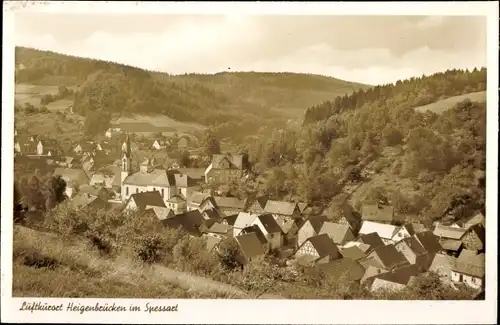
<point>127,150</point>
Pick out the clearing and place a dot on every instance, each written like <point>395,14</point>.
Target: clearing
<point>162,121</point>
<point>441,106</point>
<point>27,93</point>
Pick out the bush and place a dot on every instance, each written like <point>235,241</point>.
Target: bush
<point>150,249</point>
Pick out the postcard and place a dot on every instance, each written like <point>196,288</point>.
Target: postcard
<point>254,163</point>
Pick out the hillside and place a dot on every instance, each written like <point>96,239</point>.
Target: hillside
<point>376,145</point>
<point>241,100</point>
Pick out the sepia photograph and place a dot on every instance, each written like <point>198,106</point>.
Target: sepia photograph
<point>248,156</point>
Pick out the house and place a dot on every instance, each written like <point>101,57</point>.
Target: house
<point>417,227</point>
<point>177,203</point>
<point>405,231</point>
<point>451,247</point>
<point>388,257</point>
<point>250,249</point>
<point>88,203</point>
<point>372,239</point>
<point>74,178</point>
<point>394,280</point>
<point>363,247</point>
<point>343,269</point>
<point>95,191</point>
<point>474,238</point>
<point>230,219</point>
<point>158,144</point>
<point>285,213</point>
<point>302,206</point>
<point>218,230</point>
<point>168,182</point>
<point>243,220</point>
<point>469,269</point>
<point>442,265</point>
<point>139,201</point>
<point>448,232</point>
<point>225,169</point>
<point>477,219</point>
<point>270,229</point>
<point>183,143</point>
<point>200,201</point>
<point>213,214</point>
<point>160,213</point>
<point>385,231</point>
<point>429,241</point>
<point>310,228</point>
<point>340,234</point>
<point>260,235</point>
<point>212,243</point>
<point>318,249</point>
<point>258,204</point>
<point>192,222</point>
<point>230,205</point>
<point>415,253</point>
<point>377,213</point>
<point>370,270</point>
<point>196,174</point>
<point>354,253</point>
<point>39,148</point>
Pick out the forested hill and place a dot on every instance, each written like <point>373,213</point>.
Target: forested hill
<point>408,93</point>
<point>207,99</point>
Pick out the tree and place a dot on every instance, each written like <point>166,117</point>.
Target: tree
<point>210,143</point>
<point>185,158</point>
<point>96,122</point>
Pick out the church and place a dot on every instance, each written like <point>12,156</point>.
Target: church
<point>172,184</point>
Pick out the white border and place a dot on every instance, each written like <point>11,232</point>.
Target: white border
<point>262,311</point>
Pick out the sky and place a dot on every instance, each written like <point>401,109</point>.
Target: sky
<point>366,49</point>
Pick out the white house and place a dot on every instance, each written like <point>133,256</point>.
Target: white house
<point>243,220</point>
<point>385,231</point>
<point>310,228</point>
<point>157,145</point>
<point>39,148</point>
<point>469,269</point>
<point>270,229</point>
<point>318,249</point>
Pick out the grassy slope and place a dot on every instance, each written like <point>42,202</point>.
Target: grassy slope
<point>440,106</point>
<point>77,271</point>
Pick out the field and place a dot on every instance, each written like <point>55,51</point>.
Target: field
<point>445,104</point>
<point>61,126</point>
<point>27,93</point>
<point>162,121</point>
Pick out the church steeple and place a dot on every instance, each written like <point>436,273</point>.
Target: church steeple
<point>126,167</point>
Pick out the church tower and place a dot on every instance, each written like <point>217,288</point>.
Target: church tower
<point>126,167</point>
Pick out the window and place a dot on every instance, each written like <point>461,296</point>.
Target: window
<point>126,191</point>
<point>162,192</point>
<point>136,190</point>
<point>154,189</point>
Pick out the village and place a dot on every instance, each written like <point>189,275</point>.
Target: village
<point>372,247</point>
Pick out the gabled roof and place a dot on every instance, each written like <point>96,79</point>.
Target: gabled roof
<point>383,230</point>
<point>324,245</point>
<point>302,206</point>
<point>316,222</point>
<point>280,207</point>
<point>413,244</point>
<point>377,212</point>
<point>390,256</point>
<point>260,202</point>
<point>480,232</point>
<point>336,231</point>
<point>401,275</point>
<point>477,219</point>
<point>343,269</point>
<point>197,197</point>
<point>417,228</point>
<point>429,241</point>
<point>91,190</point>
<point>212,242</point>
<point>235,161</point>
<point>363,247</point>
<point>73,175</point>
<point>82,200</point>
<point>250,245</point>
<point>449,232</point>
<point>267,220</point>
<point>231,219</point>
<point>230,203</point>
<point>451,244</point>
<point>441,261</point>
<point>160,212</point>
<point>372,239</point>
<point>353,252</point>
<point>144,199</point>
<point>214,213</point>
<point>219,228</point>
<point>189,221</point>
<point>244,219</point>
<point>176,199</point>
<point>256,230</point>
<point>470,265</point>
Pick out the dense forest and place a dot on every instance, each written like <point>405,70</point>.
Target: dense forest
<point>234,104</point>
<point>438,154</point>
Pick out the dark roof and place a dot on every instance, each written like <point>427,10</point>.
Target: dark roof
<point>256,230</point>
<point>414,245</point>
<point>235,161</point>
<point>401,275</point>
<point>214,213</point>
<point>219,228</point>
<point>354,253</point>
<point>317,222</point>
<point>429,241</point>
<point>257,204</point>
<point>390,256</point>
<point>372,239</point>
<point>152,198</point>
<point>269,223</point>
<point>324,245</point>
<point>480,231</point>
<point>302,206</point>
<point>231,219</point>
<point>377,212</point>
<point>161,213</point>
<point>189,221</point>
<point>224,202</point>
<point>250,245</point>
<point>352,270</point>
